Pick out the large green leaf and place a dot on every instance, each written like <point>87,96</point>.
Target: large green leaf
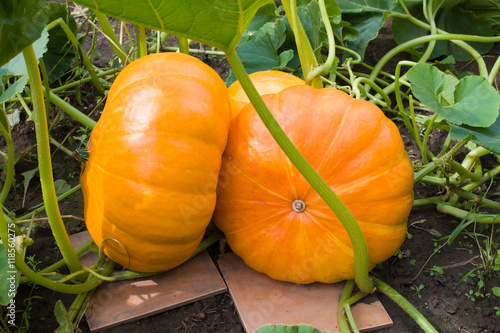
<point>60,52</point>
<point>15,88</point>
<point>453,20</point>
<point>17,66</point>
<point>367,17</point>
<point>219,23</point>
<point>475,101</point>
<point>488,137</point>
<point>21,23</point>
<point>260,50</point>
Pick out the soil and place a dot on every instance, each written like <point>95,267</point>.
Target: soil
<point>451,301</point>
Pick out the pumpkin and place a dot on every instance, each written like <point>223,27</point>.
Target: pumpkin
<point>266,82</point>
<point>154,157</point>
<point>271,216</point>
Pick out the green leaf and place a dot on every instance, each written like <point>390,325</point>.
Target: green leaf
<point>28,176</point>
<point>219,23</point>
<point>280,328</point>
<point>62,316</point>
<point>438,269</point>
<point>15,88</point>
<point>17,66</point>
<point>496,291</point>
<point>448,94</point>
<point>21,23</point>
<point>61,186</point>
<point>476,102</point>
<point>310,17</point>
<point>284,58</point>
<point>453,20</point>
<point>266,13</point>
<point>259,51</point>
<point>333,10</point>
<point>60,52</point>
<point>367,17</point>
<point>487,137</point>
<point>9,279</point>
<point>459,21</point>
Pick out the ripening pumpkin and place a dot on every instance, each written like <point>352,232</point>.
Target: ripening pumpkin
<point>154,156</point>
<point>271,216</point>
<point>266,82</point>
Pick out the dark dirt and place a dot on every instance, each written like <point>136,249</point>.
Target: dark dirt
<point>444,299</point>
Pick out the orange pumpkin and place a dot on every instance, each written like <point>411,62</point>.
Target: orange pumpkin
<point>154,157</point>
<point>266,82</point>
<point>271,216</point>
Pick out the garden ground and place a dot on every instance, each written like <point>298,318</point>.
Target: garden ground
<point>450,302</point>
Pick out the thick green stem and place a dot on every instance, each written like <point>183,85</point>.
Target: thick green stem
<point>358,242</point>
<point>463,172</point>
<point>487,176</point>
<point>399,99</point>
<point>467,215</point>
<point>494,71</point>
<point>372,84</point>
<point>84,80</point>
<point>426,138</point>
<point>195,51</point>
<point>417,132</point>
<point>483,70</point>
<point>46,87</point>
<point>331,45</point>
<point>111,36</point>
<point>66,86</point>
<point>183,45</point>
<point>476,198</point>
<point>37,278</point>
<point>405,305</point>
<point>59,198</point>
<point>9,179</point>
<point>71,111</point>
<point>85,58</point>
<point>60,146</point>
<point>473,155</point>
<point>460,40</point>
<point>44,163</point>
<point>142,45</point>
<point>427,201</point>
<point>346,294</point>
<point>52,268</point>
<point>307,58</point>
<point>430,16</point>
<point>430,167</point>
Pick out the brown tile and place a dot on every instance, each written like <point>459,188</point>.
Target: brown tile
<point>123,301</point>
<point>77,240</point>
<point>261,300</point>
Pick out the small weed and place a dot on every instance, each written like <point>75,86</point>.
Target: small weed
<point>436,270</point>
<point>28,310</point>
<point>418,289</point>
<point>30,260</point>
<point>81,140</point>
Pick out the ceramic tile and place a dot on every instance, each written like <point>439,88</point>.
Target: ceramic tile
<point>261,300</point>
<point>77,240</point>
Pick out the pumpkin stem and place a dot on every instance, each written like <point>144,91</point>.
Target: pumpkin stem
<point>299,206</point>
